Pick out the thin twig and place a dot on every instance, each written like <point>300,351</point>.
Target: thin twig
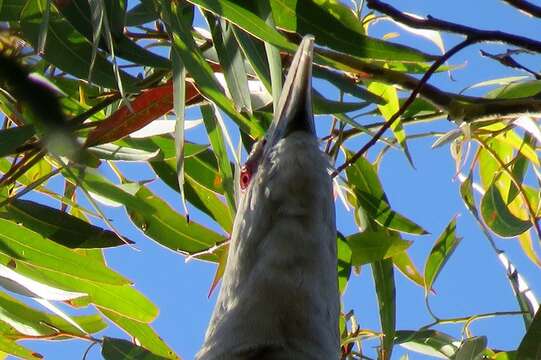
<point>440,61</point>
<point>463,319</point>
<point>442,25</point>
<point>525,6</point>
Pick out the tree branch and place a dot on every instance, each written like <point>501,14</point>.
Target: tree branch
<point>442,25</point>
<point>526,7</point>
<point>441,60</point>
<point>460,108</point>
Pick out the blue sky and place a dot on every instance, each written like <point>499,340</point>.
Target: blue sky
<point>473,280</point>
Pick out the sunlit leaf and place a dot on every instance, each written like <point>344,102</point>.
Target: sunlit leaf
<point>144,334</point>
<point>216,137</point>
<point>364,182</point>
<point>406,266</point>
<point>385,289</point>
<point>166,226</point>
<point>28,321</point>
<point>370,246</point>
<point>391,106</point>
<point>26,246</point>
<point>58,226</point>
<point>124,299</point>
<point>471,348</point>
<point>344,263</point>
<point>497,216</point>
<point>441,252</point>
<point>11,347</point>
<point>428,342</point>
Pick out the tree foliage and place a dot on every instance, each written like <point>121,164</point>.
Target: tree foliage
<point>87,84</point>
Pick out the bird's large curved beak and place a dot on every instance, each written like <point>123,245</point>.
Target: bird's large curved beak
<point>294,110</point>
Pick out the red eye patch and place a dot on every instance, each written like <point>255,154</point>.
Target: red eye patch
<point>245,176</point>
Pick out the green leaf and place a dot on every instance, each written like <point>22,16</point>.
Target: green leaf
<point>121,153</point>
<point>385,289</point>
<point>210,203</point>
<point>140,14</point>
<point>365,184</point>
<point>326,106</point>
<point>163,144</point>
<point>58,226</point>
<point>198,195</point>
<point>428,342</point>
<point>23,245</point>
<point>520,166</point>
<point>391,107</point>
<point>405,264</point>
<point>370,246</point>
<point>151,214</point>
<point>232,63</point>
<point>516,90</point>
<point>506,355</point>
<point>335,26</point>
<point>118,349</point>
<point>344,263</point>
<point>12,138</point>
<point>199,169</point>
<point>144,334</point>
<point>10,10</point>
<point>12,348</point>
<point>466,191</point>
<point>530,346</point>
<point>471,348</point>
<point>247,20</point>
<point>497,216</point>
<point>216,137</point>
<point>264,10</point>
<point>167,227</point>
<point>124,300</point>
<point>78,12</point>
<point>441,251</point>
<point>67,49</point>
<point>177,12</point>
<point>28,321</point>
<point>254,51</point>
<point>346,84</point>
<point>203,168</point>
<point>203,75</point>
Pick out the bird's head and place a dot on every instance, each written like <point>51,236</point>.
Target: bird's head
<point>286,172</point>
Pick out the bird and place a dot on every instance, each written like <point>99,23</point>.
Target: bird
<point>279,296</point>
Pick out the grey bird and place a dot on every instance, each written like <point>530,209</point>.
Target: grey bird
<point>279,295</point>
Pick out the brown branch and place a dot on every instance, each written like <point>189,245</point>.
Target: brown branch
<point>526,7</point>
<point>442,25</point>
<point>440,61</point>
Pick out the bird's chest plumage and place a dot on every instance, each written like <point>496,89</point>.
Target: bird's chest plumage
<point>280,283</point>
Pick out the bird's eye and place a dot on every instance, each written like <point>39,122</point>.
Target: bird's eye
<point>245,176</point>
